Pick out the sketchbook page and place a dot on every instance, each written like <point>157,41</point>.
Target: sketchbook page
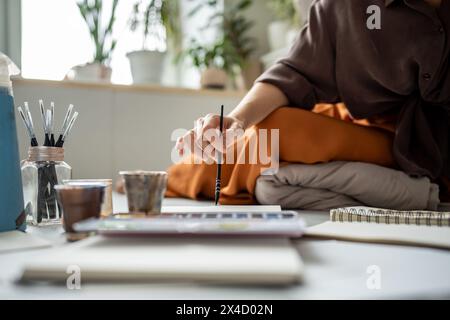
<point>229,260</point>
<point>17,240</point>
<point>383,233</point>
<point>209,209</point>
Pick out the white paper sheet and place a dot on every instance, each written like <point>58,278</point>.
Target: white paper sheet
<point>16,240</point>
<point>383,233</point>
<point>208,209</point>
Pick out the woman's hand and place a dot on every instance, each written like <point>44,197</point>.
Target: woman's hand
<point>258,103</point>
<point>206,135</point>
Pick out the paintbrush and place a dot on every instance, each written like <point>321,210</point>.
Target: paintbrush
<point>52,124</point>
<point>48,119</point>
<point>44,123</point>
<point>29,127</point>
<point>34,142</point>
<point>60,143</point>
<point>28,115</point>
<point>219,163</point>
<point>64,125</point>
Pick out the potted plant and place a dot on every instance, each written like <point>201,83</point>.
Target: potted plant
<point>281,31</point>
<point>98,69</point>
<point>159,23</point>
<point>234,48</point>
<point>213,63</point>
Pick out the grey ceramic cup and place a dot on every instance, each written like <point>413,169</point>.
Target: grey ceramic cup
<point>145,190</point>
<point>79,203</point>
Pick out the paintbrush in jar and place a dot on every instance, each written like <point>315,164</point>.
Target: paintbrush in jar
<point>52,124</point>
<point>29,126</point>
<point>64,126</point>
<point>44,123</point>
<point>60,143</point>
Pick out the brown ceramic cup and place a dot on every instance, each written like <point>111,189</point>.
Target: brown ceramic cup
<point>107,204</point>
<point>79,203</point>
<point>145,190</point>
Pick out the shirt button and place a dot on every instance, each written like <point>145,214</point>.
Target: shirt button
<point>426,76</point>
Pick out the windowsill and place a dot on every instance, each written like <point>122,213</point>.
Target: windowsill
<point>132,88</point>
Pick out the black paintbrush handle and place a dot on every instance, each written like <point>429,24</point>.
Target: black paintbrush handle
<point>51,197</point>
<point>217,192</point>
<point>52,140</point>
<point>47,140</point>
<point>41,197</point>
<point>219,164</point>
<point>34,142</point>
<point>60,142</point>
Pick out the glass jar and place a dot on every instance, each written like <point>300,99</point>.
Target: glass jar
<point>44,168</point>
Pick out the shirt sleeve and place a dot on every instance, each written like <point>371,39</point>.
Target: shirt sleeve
<point>307,75</point>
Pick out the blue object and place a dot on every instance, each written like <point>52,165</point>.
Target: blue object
<point>11,194</point>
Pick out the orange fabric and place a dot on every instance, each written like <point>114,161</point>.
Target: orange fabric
<point>327,134</point>
<point>339,111</point>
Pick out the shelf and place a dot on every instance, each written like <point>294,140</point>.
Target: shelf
<point>132,88</point>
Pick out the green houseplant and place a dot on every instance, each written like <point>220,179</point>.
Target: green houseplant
<point>93,12</point>
<point>158,21</point>
<point>284,10</point>
<point>215,62</point>
<point>234,47</point>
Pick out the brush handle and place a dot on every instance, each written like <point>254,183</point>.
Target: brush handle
<point>66,119</point>
<point>219,164</point>
<point>25,122</point>
<point>60,142</point>
<point>69,126</point>
<point>44,121</point>
<point>47,142</point>
<point>29,126</point>
<point>34,142</point>
<point>217,192</point>
<point>52,117</point>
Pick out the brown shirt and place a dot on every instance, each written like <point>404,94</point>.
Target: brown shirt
<point>402,68</point>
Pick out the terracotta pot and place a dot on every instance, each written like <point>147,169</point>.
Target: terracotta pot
<point>213,78</point>
<point>92,72</point>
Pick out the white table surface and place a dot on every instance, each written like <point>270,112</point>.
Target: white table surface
<point>333,270</point>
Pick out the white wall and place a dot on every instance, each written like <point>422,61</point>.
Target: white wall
<point>119,127</point>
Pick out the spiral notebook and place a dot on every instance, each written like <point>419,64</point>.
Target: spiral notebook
<point>388,216</point>
<point>365,224</point>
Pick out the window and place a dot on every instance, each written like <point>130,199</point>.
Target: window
<point>55,38</point>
